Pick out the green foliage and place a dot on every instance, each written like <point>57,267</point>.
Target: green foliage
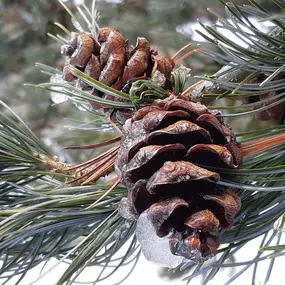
<point>258,52</point>
<point>41,216</point>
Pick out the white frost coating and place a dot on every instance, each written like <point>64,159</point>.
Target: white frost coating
<point>123,230</point>
<point>155,249</point>
<point>184,71</point>
<point>84,106</point>
<point>77,25</point>
<point>75,2</point>
<point>124,210</point>
<point>158,78</point>
<point>58,98</point>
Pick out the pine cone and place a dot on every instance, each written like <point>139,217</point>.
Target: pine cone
<point>276,113</point>
<point>162,146</point>
<point>113,61</point>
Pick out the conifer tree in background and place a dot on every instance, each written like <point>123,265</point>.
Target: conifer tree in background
<point>170,167</point>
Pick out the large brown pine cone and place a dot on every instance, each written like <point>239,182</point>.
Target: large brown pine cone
<point>113,61</point>
<point>163,160</point>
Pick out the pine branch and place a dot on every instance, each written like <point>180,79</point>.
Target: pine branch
<point>22,154</point>
<point>43,216</point>
<point>264,54</point>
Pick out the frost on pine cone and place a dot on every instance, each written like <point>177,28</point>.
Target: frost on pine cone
<point>164,160</point>
<point>110,59</point>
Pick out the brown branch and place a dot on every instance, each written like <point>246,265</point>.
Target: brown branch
<point>53,165</point>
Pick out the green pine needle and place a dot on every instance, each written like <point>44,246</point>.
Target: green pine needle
<point>43,218</point>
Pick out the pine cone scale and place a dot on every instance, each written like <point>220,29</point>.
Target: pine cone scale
<point>84,50</point>
<point>211,155</point>
<point>69,49</point>
<point>114,67</point>
<point>150,158</point>
<point>114,41</point>
<point>204,220</point>
<point>172,173</point>
<point>92,68</point>
<point>160,213</point>
<point>230,204</point>
<point>139,199</point>
<point>183,131</point>
<point>194,246</point>
<point>157,119</point>
<point>105,32</point>
<point>193,109</point>
<point>138,62</point>
<point>219,133</point>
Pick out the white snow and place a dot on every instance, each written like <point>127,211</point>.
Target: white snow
<point>56,97</point>
<point>155,249</point>
<point>77,25</point>
<point>124,210</point>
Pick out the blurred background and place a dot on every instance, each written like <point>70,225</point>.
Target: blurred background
<point>24,24</point>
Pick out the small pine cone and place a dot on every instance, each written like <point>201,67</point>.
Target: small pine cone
<point>276,113</point>
<point>112,60</point>
<point>162,146</point>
